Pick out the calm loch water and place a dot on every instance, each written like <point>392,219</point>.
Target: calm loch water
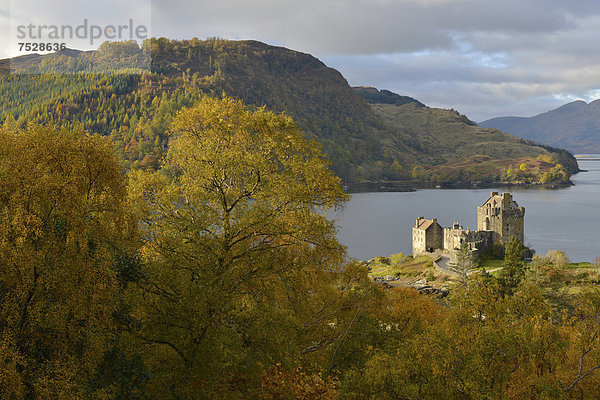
<point>567,219</point>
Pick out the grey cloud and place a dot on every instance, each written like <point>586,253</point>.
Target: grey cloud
<point>369,27</point>
<point>452,80</point>
<point>483,57</point>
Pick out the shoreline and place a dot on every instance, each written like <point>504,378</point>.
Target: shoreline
<point>413,186</point>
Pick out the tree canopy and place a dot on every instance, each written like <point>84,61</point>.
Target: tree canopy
<point>243,263</point>
<point>219,275</point>
<point>63,221</point>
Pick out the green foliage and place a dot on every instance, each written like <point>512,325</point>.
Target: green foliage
<point>397,258</point>
<point>465,262</point>
<point>374,96</point>
<point>558,258</point>
<point>120,376</point>
<point>483,345</point>
<point>495,252</point>
<point>513,270</point>
<point>382,260</point>
<point>555,174</point>
<point>285,385</point>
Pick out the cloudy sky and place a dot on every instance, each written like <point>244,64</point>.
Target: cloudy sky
<point>484,58</point>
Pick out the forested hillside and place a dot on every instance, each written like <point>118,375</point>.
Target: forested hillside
<point>454,148</point>
<point>131,94</point>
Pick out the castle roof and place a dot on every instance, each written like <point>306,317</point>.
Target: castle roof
<point>497,199</point>
<point>425,224</point>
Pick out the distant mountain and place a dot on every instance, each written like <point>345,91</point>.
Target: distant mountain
<point>370,135</point>
<point>574,126</point>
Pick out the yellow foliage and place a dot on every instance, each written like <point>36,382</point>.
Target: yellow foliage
<point>62,217</point>
<point>239,243</point>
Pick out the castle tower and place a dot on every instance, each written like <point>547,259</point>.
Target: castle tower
<point>503,216</point>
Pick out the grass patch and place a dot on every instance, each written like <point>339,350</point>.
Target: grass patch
<point>578,265</point>
<point>409,267</point>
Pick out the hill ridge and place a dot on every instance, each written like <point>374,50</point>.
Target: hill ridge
<point>375,140</point>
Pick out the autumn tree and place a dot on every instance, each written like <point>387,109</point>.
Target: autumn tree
<point>295,385</point>
<point>577,371</point>
<point>63,221</point>
<point>243,264</point>
<point>482,345</point>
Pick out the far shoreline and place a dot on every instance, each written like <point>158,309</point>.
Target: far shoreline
<point>413,186</point>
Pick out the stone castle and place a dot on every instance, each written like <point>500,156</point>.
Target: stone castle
<point>498,219</point>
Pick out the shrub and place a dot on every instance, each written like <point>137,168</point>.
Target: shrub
<point>397,258</point>
<point>558,258</point>
<point>382,260</point>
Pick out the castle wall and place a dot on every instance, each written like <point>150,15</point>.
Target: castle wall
<point>418,240</point>
<point>453,238</point>
<point>478,241</point>
<point>435,237</point>
<point>428,235</point>
<point>514,221</point>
